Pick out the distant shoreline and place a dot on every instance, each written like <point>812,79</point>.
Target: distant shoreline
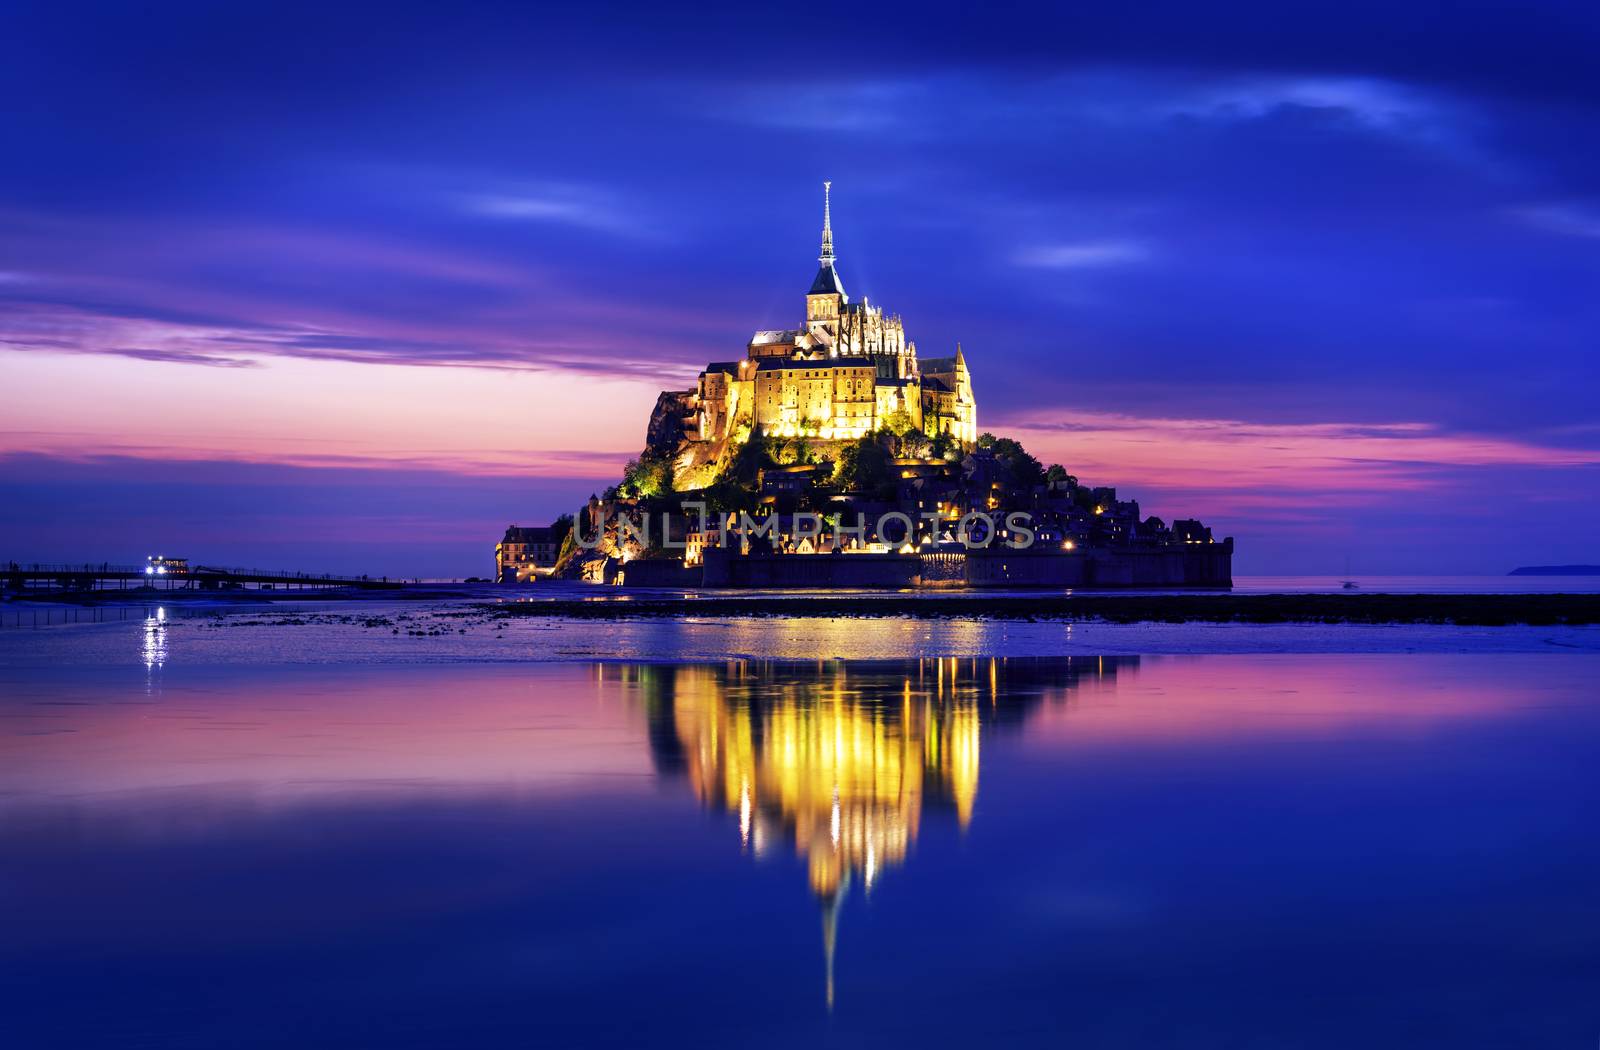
<point>605,603</point>
<point>1556,570</point>
<point>1474,610</point>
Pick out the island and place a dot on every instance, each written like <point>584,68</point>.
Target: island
<point>834,454</point>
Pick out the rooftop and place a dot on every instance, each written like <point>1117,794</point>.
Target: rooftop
<point>826,282</point>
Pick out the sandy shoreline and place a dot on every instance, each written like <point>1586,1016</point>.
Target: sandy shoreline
<point>1478,610</point>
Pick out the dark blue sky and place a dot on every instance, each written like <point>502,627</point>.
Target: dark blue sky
<point>1323,273</point>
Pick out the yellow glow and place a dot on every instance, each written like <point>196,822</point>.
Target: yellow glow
<point>843,780</point>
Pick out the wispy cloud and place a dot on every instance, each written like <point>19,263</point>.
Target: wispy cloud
<point>1568,220</point>
<point>582,207</point>
<point>185,357</point>
<point>177,292</point>
<point>1379,104</point>
<point>61,329</point>
<point>1288,465</point>
<point>1082,255</point>
<point>321,412</point>
<point>945,104</point>
<point>872,105</point>
<point>537,463</point>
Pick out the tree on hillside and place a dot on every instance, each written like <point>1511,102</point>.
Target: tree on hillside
<point>751,458</point>
<point>915,444</point>
<point>648,476</point>
<point>864,466</point>
<point>569,540</point>
<point>1024,470</point>
<point>898,422</point>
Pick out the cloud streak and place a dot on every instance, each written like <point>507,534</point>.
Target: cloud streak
<point>1568,220</point>
<point>1083,255</point>
<point>1254,465</point>
<point>579,207</point>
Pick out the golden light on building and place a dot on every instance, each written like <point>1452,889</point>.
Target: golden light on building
<point>848,370</point>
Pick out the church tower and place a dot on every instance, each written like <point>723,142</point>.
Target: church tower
<point>826,299</point>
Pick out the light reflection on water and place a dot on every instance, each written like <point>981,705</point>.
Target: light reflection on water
<point>835,761</point>
<point>438,632</point>
<point>1390,851</point>
<point>155,639</point>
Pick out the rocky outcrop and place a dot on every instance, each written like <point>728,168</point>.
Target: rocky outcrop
<point>670,422</point>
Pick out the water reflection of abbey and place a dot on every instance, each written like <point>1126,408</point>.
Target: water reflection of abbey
<point>838,759</point>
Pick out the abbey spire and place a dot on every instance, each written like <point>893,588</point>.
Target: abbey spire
<point>826,258</point>
<point>827,281</point>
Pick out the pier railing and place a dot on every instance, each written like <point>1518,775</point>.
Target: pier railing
<point>79,574</point>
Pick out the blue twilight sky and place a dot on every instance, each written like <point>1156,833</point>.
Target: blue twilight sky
<point>351,287</point>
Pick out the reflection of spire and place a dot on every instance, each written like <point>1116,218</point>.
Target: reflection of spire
<point>826,258</point>
<point>830,931</point>
<point>837,761</point>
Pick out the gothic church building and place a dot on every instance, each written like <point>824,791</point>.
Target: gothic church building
<point>847,372</point>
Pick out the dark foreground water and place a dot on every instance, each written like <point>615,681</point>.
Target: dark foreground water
<point>1205,851</point>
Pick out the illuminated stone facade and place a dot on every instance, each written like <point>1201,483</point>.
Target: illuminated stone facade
<point>526,552</point>
<point>847,372</point>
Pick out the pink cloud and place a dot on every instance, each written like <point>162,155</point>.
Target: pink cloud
<point>1333,463</point>
<point>215,292</point>
<point>326,413</point>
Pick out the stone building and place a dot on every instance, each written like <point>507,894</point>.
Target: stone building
<point>526,551</point>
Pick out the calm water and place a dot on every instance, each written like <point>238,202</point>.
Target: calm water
<point>1259,850</point>
<point>155,636</point>
<point>1419,584</point>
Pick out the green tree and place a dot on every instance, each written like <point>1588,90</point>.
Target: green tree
<point>648,476</point>
<point>898,422</point>
<point>569,540</point>
<point>864,466</point>
<point>844,468</point>
<point>750,458</point>
<point>1024,470</point>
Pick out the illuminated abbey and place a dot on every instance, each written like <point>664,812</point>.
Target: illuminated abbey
<point>848,372</point>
